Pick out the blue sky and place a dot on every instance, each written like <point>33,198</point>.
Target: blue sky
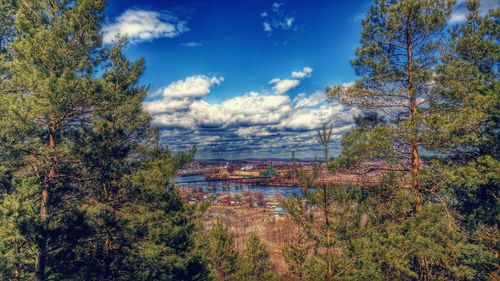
<point>246,78</point>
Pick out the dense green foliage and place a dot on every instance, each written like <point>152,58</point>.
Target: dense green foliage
<point>227,263</point>
<point>255,264</point>
<point>466,115</point>
<point>443,96</point>
<point>399,51</point>
<point>222,253</point>
<point>86,188</point>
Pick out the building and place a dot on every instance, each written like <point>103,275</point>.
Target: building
<point>269,172</point>
<point>279,213</point>
<point>247,174</point>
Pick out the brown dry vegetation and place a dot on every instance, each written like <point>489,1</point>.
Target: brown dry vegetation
<point>277,232</point>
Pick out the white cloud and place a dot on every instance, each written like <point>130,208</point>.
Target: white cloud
<point>255,108</point>
<point>181,94</point>
<point>142,25</point>
<point>253,131</point>
<point>306,72</point>
<point>206,114</point>
<point>283,86</point>
<point>192,86</point>
<point>209,139</point>
<point>302,100</point>
<point>255,114</point>
<point>166,105</point>
<point>249,109</point>
<point>313,118</point>
<point>249,123</point>
<point>173,120</point>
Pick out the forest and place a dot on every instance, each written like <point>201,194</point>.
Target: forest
<point>87,188</point>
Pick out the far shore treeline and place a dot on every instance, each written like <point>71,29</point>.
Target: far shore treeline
<point>86,187</point>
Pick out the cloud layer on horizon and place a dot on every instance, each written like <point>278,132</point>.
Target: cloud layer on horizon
<point>248,124</point>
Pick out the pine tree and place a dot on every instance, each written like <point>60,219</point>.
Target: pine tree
<point>17,209</point>
<point>463,124</point>
<point>296,254</point>
<point>72,123</point>
<point>159,227</point>
<point>255,262</point>
<point>53,62</point>
<point>7,33</point>
<point>464,121</point>
<point>368,120</point>
<point>399,50</point>
<point>329,238</point>
<point>375,235</point>
<point>221,253</point>
<point>119,127</point>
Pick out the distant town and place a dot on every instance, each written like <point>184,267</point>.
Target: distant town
<point>259,182</point>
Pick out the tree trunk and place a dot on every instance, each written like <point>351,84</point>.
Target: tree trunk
<point>17,273</point>
<point>415,161</point>
<point>44,206</point>
<point>324,186</point>
<point>415,158</point>
<point>424,273</point>
<point>16,265</point>
<point>107,258</point>
<point>326,155</point>
<point>219,274</point>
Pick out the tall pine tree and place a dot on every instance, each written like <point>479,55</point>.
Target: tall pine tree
<point>72,124</point>
<point>53,63</point>
<point>399,50</point>
<point>463,122</point>
<point>221,253</point>
<point>255,263</point>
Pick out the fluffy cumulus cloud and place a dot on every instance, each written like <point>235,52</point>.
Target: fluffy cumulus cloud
<point>283,86</point>
<point>247,110</point>
<point>265,123</point>
<point>181,94</point>
<point>306,72</point>
<point>166,105</point>
<point>193,86</point>
<point>307,119</point>
<point>277,19</point>
<point>304,100</point>
<point>256,109</point>
<point>459,13</point>
<point>253,131</point>
<point>142,25</point>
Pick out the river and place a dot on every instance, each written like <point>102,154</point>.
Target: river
<point>186,182</point>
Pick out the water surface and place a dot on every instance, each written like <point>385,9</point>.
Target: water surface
<point>235,188</point>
